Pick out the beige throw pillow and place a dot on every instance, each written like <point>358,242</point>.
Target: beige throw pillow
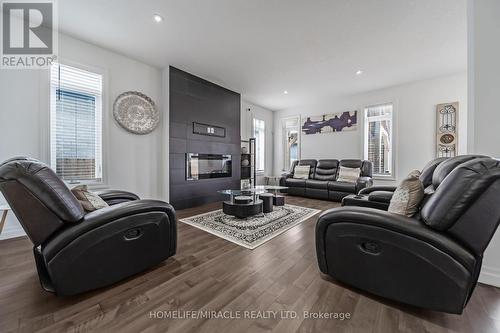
<point>349,175</point>
<point>301,172</point>
<point>408,196</point>
<point>89,201</point>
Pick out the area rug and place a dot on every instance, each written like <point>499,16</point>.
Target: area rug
<point>254,231</point>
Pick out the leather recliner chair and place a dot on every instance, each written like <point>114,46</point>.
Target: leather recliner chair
<point>430,261</point>
<point>432,174</point>
<point>76,252</point>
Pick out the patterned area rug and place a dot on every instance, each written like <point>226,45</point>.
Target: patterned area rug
<point>254,231</point>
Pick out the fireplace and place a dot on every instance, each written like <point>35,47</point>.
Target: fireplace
<point>207,166</point>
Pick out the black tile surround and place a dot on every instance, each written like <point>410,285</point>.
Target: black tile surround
<point>193,99</point>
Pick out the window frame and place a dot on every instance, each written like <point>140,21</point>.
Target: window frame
<point>284,130</point>
<point>366,121</point>
<point>102,184</point>
<point>257,170</point>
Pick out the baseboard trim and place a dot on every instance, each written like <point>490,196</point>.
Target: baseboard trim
<point>490,275</point>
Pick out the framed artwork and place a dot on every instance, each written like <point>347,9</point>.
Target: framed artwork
<point>447,129</point>
<point>329,123</point>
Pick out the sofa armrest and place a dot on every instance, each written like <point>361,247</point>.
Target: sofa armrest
<point>101,217</point>
<point>363,182</point>
<point>371,189</point>
<point>392,223</point>
<point>284,176</point>
<point>113,197</point>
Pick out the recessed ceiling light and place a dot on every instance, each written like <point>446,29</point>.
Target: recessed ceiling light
<point>158,18</point>
<point>359,72</point>
<point>285,92</point>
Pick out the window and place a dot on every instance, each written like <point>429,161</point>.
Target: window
<point>290,141</point>
<point>378,143</point>
<point>76,124</point>
<point>259,128</point>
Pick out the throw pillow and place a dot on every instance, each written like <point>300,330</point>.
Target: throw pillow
<point>89,201</point>
<point>301,172</point>
<point>408,195</point>
<point>349,175</point>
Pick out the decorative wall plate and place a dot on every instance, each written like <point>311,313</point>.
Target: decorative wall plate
<point>136,112</point>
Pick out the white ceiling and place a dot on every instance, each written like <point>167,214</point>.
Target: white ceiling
<point>260,48</point>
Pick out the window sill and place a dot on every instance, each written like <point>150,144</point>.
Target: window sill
<point>90,185</point>
<point>382,177</point>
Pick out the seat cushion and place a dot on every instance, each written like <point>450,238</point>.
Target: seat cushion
<point>342,187</point>
<point>292,182</point>
<point>319,184</point>
<point>381,196</point>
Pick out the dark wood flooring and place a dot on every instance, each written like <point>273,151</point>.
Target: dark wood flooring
<point>213,274</point>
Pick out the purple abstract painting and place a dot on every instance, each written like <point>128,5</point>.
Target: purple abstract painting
<point>328,123</point>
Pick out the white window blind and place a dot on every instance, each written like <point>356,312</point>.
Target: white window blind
<point>259,128</point>
<point>378,144</point>
<point>76,124</point>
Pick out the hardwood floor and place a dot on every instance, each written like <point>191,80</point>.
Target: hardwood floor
<point>211,273</point>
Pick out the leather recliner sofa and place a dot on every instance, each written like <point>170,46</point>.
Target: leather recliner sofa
<point>323,175</point>
<point>76,252</point>
<point>432,174</point>
<point>432,260</point>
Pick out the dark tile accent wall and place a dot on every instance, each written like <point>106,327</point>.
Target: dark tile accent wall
<point>193,99</point>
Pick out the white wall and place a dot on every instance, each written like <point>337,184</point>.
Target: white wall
<point>484,83</point>
<point>414,122</point>
<point>133,162</point>
<point>248,112</point>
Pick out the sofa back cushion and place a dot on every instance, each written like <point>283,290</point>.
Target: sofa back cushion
<point>45,185</point>
<point>445,167</point>
<point>428,170</point>
<point>465,205</point>
<point>326,170</point>
<point>38,197</point>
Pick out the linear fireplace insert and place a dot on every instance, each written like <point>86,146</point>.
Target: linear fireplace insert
<point>206,166</point>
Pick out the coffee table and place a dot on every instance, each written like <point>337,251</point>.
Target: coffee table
<point>243,203</point>
<point>278,200</point>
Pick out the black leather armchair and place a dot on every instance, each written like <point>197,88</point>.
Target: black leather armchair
<point>76,252</point>
<point>432,174</point>
<point>432,261</point>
